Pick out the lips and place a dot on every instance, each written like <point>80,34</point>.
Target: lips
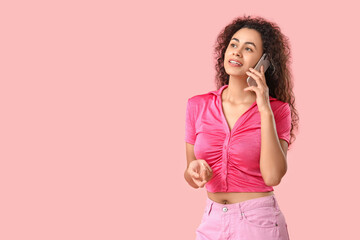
<point>235,64</point>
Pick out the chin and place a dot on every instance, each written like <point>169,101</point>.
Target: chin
<point>234,73</point>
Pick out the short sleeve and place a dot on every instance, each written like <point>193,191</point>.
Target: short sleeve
<point>283,122</point>
<point>190,124</point>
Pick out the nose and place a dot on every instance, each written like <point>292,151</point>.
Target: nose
<point>237,53</point>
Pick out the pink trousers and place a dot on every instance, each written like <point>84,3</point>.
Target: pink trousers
<point>254,219</point>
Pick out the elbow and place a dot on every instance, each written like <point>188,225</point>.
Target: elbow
<point>272,182</point>
<point>274,178</point>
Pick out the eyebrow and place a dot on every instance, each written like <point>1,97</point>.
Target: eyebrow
<point>245,42</point>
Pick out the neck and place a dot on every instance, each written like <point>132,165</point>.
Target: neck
<point>235,93</point>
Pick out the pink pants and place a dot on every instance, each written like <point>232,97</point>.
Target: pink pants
<point>254,219</point>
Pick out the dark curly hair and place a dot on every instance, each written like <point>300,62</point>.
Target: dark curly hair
<point>276,45</point>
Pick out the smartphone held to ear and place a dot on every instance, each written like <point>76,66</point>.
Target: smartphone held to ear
<point>263,61</point>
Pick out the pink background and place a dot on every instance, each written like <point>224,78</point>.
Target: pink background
<point>93,97</point>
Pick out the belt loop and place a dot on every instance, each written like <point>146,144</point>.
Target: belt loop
<point>210,207</point>
<point>241,207</point>
<point>275,203</point>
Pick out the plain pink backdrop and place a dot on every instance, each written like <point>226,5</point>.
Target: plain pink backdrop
<point>93,97</point>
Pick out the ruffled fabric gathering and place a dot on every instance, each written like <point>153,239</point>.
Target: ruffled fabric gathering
<point>233,155</point>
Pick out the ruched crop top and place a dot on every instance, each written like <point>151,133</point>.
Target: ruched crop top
<point>234,156</point>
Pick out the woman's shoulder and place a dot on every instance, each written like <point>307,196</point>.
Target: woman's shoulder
<point>274,102</point>
<point>202,98</point>
<point>279,106</point>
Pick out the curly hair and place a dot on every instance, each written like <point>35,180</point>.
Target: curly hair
<point>277,46</point>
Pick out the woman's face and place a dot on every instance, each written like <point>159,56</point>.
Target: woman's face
<point>245,47</point>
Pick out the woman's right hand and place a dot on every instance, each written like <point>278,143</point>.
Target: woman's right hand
<point>200,172</point>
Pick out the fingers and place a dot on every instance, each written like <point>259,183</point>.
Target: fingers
<point>197,178</point>
<point>195,175</point>
<point>199,182</point>
<point>203,173</point>
<point>202,184</point>
<point>207,167</point>
<point>200,173</point>
<point>260,73</point>
<point>257,75</point>
<point>206,171</point>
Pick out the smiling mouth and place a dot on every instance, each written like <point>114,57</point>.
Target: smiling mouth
<point>234,63</point>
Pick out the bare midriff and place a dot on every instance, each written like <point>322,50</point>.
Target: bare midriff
<point>235,197</point>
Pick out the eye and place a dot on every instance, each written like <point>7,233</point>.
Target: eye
<point>232,44</point>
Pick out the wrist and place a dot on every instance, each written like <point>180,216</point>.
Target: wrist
<point>266,111</point>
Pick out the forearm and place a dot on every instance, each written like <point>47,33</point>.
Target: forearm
<point>272,158</point>
<point>188,178</point>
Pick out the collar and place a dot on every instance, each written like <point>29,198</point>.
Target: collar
<point>218,92</point>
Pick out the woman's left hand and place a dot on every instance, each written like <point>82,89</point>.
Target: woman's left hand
<point>262,90</point>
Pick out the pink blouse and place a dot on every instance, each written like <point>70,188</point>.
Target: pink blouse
<point>234,156</point>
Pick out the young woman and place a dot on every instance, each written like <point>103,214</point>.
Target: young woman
<point>237,136</point>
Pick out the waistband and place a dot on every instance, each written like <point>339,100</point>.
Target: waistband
<point>240,207</point>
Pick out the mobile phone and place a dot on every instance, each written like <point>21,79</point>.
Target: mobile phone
<point>263,61</point>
